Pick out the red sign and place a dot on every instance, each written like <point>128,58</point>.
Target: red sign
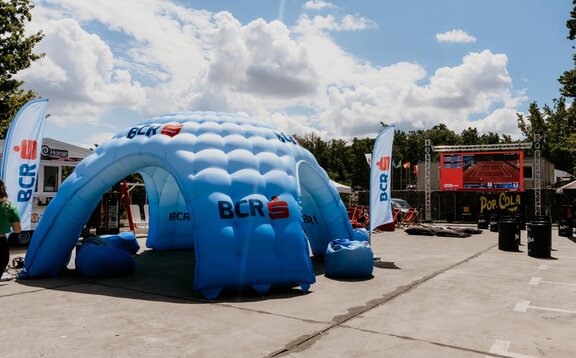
<point>171,129</point>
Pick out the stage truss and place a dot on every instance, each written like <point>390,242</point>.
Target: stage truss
<point>428,148</point>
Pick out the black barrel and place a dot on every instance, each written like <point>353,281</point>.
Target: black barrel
<point>482,222</point>
<point>540,237</point>
<point>565,228</point>
<point>522,220</point>
<point>494,222</point>
<point>508,234</point>
<point>542,218</point>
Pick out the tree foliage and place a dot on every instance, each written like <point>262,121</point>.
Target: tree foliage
<point>15,55</point>
<point>557,124</point>
<point>568,78</point>
<point>345,162</point>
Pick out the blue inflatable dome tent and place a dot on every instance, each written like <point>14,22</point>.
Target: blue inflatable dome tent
<point>246,197</point>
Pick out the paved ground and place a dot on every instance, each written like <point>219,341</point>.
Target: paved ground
<point>429,297</point>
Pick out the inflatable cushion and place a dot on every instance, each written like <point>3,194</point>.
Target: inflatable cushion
<point>103,261</point>
<point>446,232</point>
<point>125,241</point>
<point>349,259</point>
<point>420,230</point>
<point>468,230</point>
<point>361,235</point>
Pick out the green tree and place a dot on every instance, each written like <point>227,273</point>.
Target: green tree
<point>469,136</point>
<point>532,123</point>
<point>316,146</point>
<point>568,78</point>
<point>507,138</point>
<point>15,55</point>
<point>558,124</point>
<point>339,161</point>
<point>560,127</point>
<point>400,153</point>
<point>441,135</point>
<point>489,138</point>
<point>359,169</point>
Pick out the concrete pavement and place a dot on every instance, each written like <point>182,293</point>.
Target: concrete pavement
<point>428,297</point>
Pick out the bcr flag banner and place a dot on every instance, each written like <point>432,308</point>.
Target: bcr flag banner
<point>380,179</point>
<point>21,156</point>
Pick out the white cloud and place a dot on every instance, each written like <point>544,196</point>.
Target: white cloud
<point>84,64</point>
<point>259,58</point>
<point>306,24</point>
<point>502,120</point>
<point>318,5</point>
<point>476,84</point>
<point>78,73</point>
<point>455,36</point>
<point>298,79</point>
<point>481,84</point>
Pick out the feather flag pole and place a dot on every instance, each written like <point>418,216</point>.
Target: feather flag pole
<point>380,179</point>
<point>21,156</point>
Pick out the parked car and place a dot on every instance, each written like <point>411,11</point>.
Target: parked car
<point>407,212</point>
<point>401,204</point>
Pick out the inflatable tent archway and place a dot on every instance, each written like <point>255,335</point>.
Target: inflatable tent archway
<point>244,196</point>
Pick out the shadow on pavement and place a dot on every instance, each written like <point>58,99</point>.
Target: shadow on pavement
<point>162,276</point>
<point>386,265</point>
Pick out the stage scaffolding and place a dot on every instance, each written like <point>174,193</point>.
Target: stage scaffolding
<point>535,145</point>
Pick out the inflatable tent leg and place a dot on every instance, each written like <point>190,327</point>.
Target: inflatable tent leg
<point>211,293</point>
<point>261,289</point>
<point>305,287</point>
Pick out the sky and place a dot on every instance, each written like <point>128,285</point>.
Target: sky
<point>333,68</point>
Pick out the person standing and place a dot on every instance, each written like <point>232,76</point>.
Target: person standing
<point>9,221</point>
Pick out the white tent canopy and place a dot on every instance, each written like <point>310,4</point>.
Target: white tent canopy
<point>341,187</point>
<point>571,185</point>
<point>562,175</point>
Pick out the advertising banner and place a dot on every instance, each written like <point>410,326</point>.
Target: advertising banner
<point>380,179</point>
<point>21,156</point>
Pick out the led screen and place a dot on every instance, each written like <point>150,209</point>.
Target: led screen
<point>481,171</point>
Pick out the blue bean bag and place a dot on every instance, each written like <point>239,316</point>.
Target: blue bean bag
<point>96,258</point>
<point>349,259</point>
<point>361,234</point>
<point>124,240</point>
